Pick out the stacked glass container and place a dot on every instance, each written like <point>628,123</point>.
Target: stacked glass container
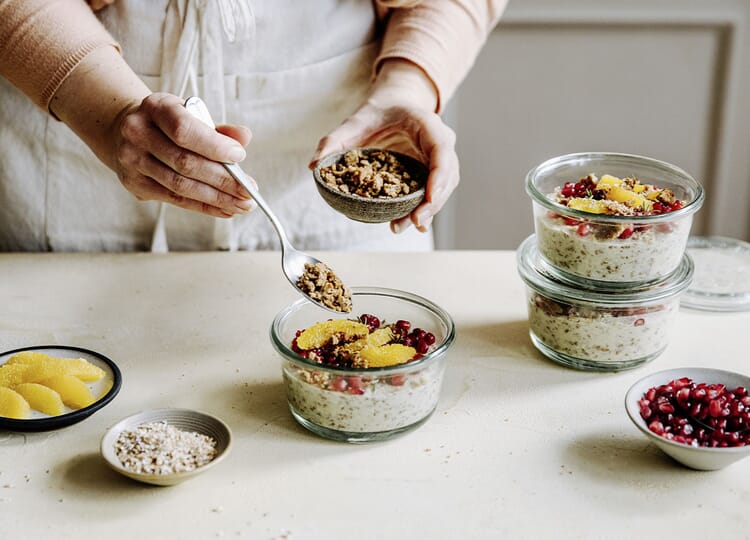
<point>603,290</point>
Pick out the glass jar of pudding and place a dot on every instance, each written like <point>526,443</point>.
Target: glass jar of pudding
<point>598,329</point>
<point>612,220</point>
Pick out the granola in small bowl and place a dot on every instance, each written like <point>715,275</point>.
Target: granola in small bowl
<point>370,184</point>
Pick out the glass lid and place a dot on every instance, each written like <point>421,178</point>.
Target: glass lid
<point>721,280</point>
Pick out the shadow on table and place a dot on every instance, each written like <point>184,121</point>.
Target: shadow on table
<point>93,479</point>
<point>613,462</point>
<point>508,339</point>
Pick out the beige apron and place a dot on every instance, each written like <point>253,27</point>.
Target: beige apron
<point>289,70</point>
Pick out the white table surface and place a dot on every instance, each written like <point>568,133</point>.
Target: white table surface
<point>519,447</point>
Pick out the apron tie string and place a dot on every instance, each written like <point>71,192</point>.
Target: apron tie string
<point>193,35</point>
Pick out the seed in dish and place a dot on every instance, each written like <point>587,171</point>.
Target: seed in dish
<point>321,284</point>
<point>356,401</point>
<point>698,414</point>
<point>376,174</point>
<point>161,448</point>
<point>620,251</point>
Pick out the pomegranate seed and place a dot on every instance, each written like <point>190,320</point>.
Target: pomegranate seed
<point>571,221</point>
<point>422,347</point>
<point>339,384</point>
<point>355,385</point>
<point>657,427</point>
<point>626,233</point>
<point>708,415</point>
<point>583,229</point>
<point>429,338</point>
<point>402,325</point>
<point>397,380</point>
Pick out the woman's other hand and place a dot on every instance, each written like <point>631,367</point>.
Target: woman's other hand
<point>96,5</point>
<point>399,115</point>
<point>163,153</point>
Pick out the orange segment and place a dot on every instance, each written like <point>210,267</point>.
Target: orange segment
<point>13,405</point>
<point>379,337</point>
<point>45,366</point>
<point>41,398</point>
<point>11,375</point>
<point>74,392</point>
<point>591,206</point>
<point>387,355</point>
<point>321,333</point>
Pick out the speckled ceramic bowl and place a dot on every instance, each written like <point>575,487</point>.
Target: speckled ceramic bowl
<point>696,457</point>
<point>372,210</point>
<point>182,419</point>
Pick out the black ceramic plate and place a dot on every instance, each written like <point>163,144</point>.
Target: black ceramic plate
<point>104,390</point>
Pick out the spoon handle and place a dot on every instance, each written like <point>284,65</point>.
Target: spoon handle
<point>197,108</point>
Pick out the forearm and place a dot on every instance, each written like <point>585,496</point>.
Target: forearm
<point>42,41</point>
<point>94,96</point>
<point>401,82</point>
<point>442,37</point>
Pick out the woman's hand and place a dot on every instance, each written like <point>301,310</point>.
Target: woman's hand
<point>163,153</point>
<point>399,115</point>
<point>96,5</point>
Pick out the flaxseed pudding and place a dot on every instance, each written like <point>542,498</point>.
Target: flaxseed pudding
<point>605,330</point>
<point>363,403</point>
<point>367,378</point>
<point>629,229</point>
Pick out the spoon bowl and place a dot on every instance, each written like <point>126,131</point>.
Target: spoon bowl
<point>294,263</point>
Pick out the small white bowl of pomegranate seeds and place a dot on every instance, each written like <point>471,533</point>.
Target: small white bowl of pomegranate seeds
<point>698,416</point>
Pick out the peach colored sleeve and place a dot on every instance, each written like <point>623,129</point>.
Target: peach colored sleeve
<point>443,37</point>
<point>42,41</point>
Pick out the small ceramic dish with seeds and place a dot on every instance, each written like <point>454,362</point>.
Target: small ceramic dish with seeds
<point>371,185</point>
<point>165,447</point>
<point>53,386</point>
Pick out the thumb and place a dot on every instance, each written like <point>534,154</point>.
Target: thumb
<point>350,134</point>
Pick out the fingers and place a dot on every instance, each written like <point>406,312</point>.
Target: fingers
<point>96,5</point>
<point>152,142</point>
<point>187,190</point>
<point>349,134</point>
<point>145,189</point>
<point>160,156</point>
<point>186,131</point>
<point>241,134</point>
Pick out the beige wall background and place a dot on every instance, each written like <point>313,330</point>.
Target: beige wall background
<point>668,79</point>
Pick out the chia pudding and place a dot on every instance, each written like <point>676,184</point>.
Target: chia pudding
<point>597,328</point>
<point>357,404</point>
<point>364,378</point>
<point>630,249</point>
<point>615,338</point>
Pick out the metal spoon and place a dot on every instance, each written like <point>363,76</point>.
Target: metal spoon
<point>292,261</point>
